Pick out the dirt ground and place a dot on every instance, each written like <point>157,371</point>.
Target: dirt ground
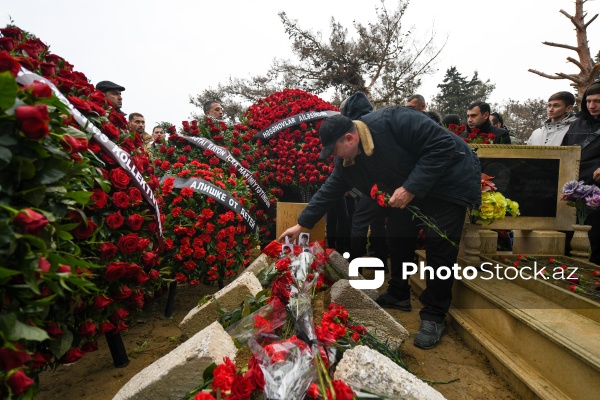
<point>154,335</point>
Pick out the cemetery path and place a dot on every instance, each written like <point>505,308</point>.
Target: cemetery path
<point>154,335</point>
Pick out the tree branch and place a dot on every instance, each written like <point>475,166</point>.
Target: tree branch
<point>574,61</point>
<point>590,21</point>
<point>574,78</point>
<point>545,75</point>
<point>594,71</point>
<point>564,46</point>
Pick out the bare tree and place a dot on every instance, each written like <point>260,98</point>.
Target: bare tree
<point>588,68</point>
<point>522,118</point>
<point>383,61</point>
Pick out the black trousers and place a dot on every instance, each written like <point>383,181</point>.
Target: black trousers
<point>338,226</point>
<point>368,213</point>
<point>402,230</point>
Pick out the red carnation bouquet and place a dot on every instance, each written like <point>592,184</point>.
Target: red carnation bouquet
<point>474,135</point>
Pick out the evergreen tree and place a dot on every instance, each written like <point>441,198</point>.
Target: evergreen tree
<point>457,92</point>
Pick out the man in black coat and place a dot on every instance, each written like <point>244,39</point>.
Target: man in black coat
<point>478,116</point>
<point>418,162</point>
<point>585,132</point>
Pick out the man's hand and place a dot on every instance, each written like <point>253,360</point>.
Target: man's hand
<point>292,233</point>
<point>597,175</point>
<point>401,198</point>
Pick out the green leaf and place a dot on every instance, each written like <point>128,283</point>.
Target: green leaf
<point>62,344</point>
<point>7,321</point>
<point>208,372</point>
<point>22,331</point>
<point>25,168</point>
<point>8,90</point>
<point>80,197</point>
<point>5,157</point>
<point>64,235</point>
<point>246,310</point>
<point>51,175</point>
<point>35,195</point>
<point>7,140</point>
<point>5,272</point>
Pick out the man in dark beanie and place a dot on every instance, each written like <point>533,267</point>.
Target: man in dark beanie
<point>419,163</point>
<point>585,132</point>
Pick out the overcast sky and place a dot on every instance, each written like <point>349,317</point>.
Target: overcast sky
<point>164,51</point>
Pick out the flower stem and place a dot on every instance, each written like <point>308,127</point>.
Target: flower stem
<point>430,222</point>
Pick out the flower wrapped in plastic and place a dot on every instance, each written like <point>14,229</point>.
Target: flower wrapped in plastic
<point>287,367</point>
<point>260,325</point>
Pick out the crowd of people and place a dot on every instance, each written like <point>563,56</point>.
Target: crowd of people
<point>137,122</point>
<point>408,152</point>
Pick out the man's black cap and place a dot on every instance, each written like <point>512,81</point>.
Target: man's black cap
<point>331,130</point>
<point>105,86</point>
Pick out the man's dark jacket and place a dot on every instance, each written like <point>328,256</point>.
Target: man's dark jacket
<point>585,126</point>
<point>410,150</point>
<point>502,135</point>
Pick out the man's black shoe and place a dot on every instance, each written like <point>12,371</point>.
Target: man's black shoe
<point>386,300</point>
<point>429,334</point>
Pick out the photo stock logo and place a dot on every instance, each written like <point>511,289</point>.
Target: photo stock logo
<point>365,262</point>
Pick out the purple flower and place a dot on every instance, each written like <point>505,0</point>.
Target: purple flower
<point>593,201</point>
<point>569,188</point>
<point>583,191</point>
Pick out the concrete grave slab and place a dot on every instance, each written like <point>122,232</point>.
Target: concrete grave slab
<point>178,372</point>
<point>362,367</point>
<point>230,297</point>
